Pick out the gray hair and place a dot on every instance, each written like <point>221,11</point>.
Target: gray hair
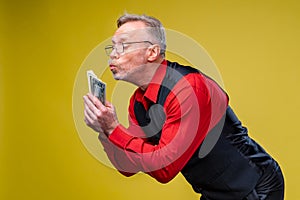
<point>156,28</point>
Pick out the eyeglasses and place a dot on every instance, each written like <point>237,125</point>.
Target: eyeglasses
<point>120,47</point>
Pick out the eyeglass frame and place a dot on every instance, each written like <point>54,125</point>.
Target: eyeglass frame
<point>109,48</point>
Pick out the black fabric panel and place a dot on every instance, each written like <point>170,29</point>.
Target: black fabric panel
<point>173,74</point>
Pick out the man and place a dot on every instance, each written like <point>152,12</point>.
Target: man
<point>179,121</point>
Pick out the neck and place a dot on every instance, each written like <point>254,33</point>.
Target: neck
<point>148,74</point>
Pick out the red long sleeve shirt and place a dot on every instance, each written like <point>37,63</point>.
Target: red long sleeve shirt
<point>194,106</point>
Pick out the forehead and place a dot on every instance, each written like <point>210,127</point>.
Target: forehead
<point>129,30</point>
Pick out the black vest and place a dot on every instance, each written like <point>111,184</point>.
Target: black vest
<point>234,165</point>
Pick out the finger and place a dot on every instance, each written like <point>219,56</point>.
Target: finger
<point>110,107</point>
<point>108,104</point>
<point>90,96</point>
<point>92,123</point>
<point>99,105</point>
<point>93,98</point>
<point>89,120</point>
<point>89,112</point>
<point>96,102</point>
<point>91,105</point>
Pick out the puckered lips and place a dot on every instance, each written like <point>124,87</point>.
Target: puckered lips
<point>112,67</point>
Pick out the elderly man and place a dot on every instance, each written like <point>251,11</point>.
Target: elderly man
<point>179,121</point>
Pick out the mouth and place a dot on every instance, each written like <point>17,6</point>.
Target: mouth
<point>112,68</point>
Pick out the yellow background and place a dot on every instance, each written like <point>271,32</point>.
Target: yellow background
<point>255,45</point>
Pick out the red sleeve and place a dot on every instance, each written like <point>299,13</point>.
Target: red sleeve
<point>114,154</point>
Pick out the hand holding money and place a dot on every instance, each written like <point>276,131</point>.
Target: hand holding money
<point>101,117</point>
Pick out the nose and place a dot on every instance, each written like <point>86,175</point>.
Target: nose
<point>113,54</point>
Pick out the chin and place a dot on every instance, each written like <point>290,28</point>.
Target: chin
<point>117,77</point>
<point>121,76</point>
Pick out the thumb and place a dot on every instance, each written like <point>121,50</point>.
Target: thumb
<point>108,104</point>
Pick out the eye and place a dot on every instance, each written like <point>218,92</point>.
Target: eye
<point>125,45</point>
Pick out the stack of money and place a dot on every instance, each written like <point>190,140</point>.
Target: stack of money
<point>96,86</point>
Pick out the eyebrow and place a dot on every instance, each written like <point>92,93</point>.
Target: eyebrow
<point>122,38</point>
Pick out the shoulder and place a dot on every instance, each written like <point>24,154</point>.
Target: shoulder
<point>181,69</point>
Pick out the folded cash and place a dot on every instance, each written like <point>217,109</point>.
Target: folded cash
<point>96,86</point>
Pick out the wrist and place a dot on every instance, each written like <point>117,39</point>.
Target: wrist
<point>108,132</point>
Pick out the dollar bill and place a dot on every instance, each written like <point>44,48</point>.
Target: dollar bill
<point>96,86</point>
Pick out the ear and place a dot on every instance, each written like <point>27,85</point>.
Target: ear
<point>153,52</point>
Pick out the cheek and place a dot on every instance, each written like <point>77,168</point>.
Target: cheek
<point>130,61</point>
<point>139,58</point>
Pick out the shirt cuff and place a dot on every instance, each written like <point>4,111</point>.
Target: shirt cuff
<point>119,137</point>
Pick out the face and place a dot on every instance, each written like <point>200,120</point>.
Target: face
<point>129,64</point>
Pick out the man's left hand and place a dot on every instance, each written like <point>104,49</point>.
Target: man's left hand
<point>101,118</point>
